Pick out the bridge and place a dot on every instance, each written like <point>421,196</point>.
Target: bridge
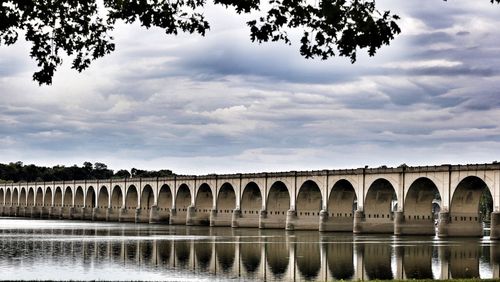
<point>365,200</point>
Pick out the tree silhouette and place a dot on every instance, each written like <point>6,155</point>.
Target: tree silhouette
<point>81,29</point>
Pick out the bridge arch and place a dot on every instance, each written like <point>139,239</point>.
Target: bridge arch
<point>104,198</point>
<point>147,201</point>
<point>164,203</point>
<point>226,200</point>
<point>58,197</point>
<point>378,200</point>
<point>132,198</point>
<point>309,200</point>
<point>39,197</point>
<point>466,199</point>
<point>278,201</point>
<point>204,203</point>
<point>30,200</point>
<point>251,201</point>
<point>15,197</point>
<point>47,198</point>
<point>8,198</point>
<point>2,197</point>
<point>342,200</point>
<point>23,198</point>
<point>182,200</point>
<point>117,198</point>
<point>147,197</point>
<point>418,201</point>
<point>91,199</point>
<point>68,197</point>
<point>79,197</point>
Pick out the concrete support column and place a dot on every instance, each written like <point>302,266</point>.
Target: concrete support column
<point>262,218</point>
<point>234,218</point>
<point>213,217</point>
<point>291,217</point>
<point>399,219</point>
<point>495,226</point>
<point>83,212</point>
<point>323,217</point>
<point>359,217</point>
<point>71,212</point>
<point>154,216</point>
<point>190,215</point>
<point>109,213</point>
<point>95,212</point>
<point>444,222</point>
<point>122,212</point>
<point>173,215</point>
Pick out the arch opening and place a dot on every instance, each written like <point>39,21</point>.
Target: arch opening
<point>420,201</point>
<point>68,197</point>
<point>226,201</point>
<point>47,199</point>
<point>30,201</point>
<point>147,198</point>
<point>39,197</point>
<point>79,197</point>
<point>278,202</point>
<point>165,198</point>
<point>22,198</point>
<point>203,203</point>
<point>378,202</point>
<point>15,198</point>
<point>8,198</point>
<point>251,201</point>
<point>58,197</point>
<point>182,203</point>
<point>2,197</point>
<point>472,202</point>
<point>117,198</point>
<point>309,200</point>
<point>131,199</point>
<point>342,201</point>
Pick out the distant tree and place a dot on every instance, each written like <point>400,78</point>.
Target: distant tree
<point>122,173</point>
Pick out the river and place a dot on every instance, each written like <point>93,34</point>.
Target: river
<point>79,250</point>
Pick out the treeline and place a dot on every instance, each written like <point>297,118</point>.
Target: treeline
<point>19,172</point>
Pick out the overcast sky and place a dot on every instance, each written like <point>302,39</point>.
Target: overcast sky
<point>222,104</point>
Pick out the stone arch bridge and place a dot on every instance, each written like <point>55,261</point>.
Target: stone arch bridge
<point>366,200</point>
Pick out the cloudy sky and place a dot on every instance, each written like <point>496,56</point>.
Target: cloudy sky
<point>222,104</point>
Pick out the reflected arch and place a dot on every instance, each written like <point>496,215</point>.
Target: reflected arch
<point>250,254</point>
<point>277,257</point>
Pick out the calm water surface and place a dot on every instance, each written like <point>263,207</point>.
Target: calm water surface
<point>62,250</point>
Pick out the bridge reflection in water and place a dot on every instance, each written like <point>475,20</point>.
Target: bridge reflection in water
<point>114,251</point>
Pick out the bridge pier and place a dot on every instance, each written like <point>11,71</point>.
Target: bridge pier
<point>291,220</point>
<point>177,217</point>
<point>235,217</point>
<point>273,221</point>
<point>154,215</point>
<point>458,226</point>
<point>190,215</point>
<point>495,226</point>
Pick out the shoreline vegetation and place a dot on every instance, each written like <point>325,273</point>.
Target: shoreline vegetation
<point>19,172</point>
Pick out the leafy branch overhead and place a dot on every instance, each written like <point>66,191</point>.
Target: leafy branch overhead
<point>82,29</point>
